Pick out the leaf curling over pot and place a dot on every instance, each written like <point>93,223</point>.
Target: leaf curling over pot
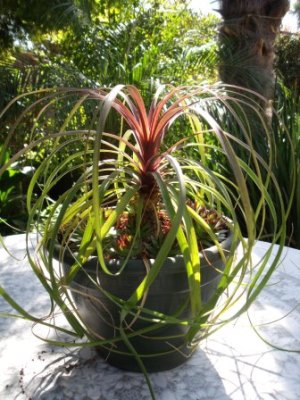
<point>135,175</point>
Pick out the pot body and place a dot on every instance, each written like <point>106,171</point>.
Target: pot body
<point>160,346</point>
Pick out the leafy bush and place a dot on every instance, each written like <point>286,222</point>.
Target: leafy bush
<point>13,185</point>
<point>286,168</point>
<point>288,60</point>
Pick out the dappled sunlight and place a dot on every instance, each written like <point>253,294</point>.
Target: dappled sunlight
<point>234,363</point>
<point>147,149</point>
<point>247,353</point>
<point>81,374</point>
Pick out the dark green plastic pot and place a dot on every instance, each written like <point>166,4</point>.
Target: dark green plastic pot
<point>160,349</point>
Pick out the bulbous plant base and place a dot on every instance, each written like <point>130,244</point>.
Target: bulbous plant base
<point>160,345</point>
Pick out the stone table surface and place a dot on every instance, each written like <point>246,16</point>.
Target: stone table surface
<point>236,362</point>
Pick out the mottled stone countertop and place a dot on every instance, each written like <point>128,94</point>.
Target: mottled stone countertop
<point>234,363</point>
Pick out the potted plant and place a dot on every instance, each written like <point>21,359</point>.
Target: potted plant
<point>139,251</point>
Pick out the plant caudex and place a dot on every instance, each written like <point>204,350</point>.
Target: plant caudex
<point>148,184</point>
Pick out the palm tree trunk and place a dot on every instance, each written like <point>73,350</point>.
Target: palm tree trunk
<point>247,53</point>
<point>247,38</point>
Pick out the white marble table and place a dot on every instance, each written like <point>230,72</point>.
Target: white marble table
<point>234,363</point>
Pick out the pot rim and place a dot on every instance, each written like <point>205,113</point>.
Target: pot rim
<point>207,257</point>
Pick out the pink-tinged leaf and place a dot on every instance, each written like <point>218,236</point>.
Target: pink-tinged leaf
<point>141,109</point>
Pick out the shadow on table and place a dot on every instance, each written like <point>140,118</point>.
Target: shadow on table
<point>85,376</point>
<point>19,281</point>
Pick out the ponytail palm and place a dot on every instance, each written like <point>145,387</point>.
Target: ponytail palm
<point>135,197</point>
